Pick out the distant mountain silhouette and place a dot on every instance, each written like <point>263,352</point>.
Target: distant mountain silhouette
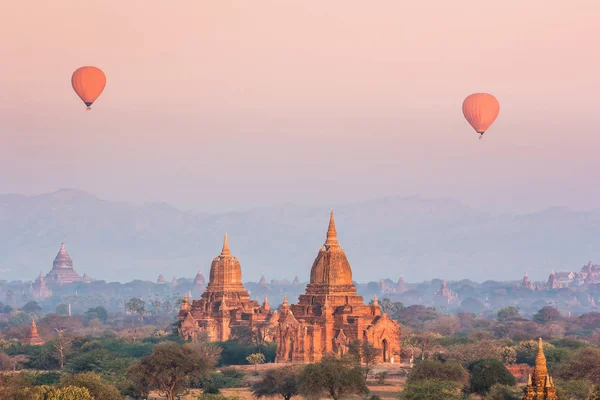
<point>418,238</point>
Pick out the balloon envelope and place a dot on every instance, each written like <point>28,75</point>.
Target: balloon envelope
<point>88,83</point>
<point>481,110</point>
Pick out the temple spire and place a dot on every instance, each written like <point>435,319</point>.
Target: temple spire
<point>225,251</point>
<point>331,233</point>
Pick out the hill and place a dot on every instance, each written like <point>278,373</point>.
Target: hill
<point>418,238</point>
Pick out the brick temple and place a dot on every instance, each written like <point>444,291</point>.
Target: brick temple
<point>224,305</point>
<point>330,315</point>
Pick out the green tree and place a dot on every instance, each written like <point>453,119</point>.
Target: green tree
<point>501,392</point>
<point>431,389</point>
<point>53,393</point>
<point>136,305</point>
<point>97,312</point>
<point>171,367</point>
<point>277,382</point>
<point>255,359</point>
<point>547,314</point>
<point>337,377</point>
<point>98,388</point>
<point>487,373</point>
<point>62,309</point>
<point>508,313</point>
<point>575,390</point>
<point>364,352</point>
<point>438,370</point>
<point>31,307</point>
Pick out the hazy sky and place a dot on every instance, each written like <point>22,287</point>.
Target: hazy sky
<point>217,105</point>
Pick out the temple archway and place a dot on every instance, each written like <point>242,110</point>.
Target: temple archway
<point>385,348</point>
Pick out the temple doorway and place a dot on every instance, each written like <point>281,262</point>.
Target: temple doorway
<point>386,357</point>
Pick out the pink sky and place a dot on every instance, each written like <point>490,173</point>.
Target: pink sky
<point>218,105</point>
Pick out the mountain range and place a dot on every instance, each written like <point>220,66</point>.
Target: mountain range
<point>417,238</point>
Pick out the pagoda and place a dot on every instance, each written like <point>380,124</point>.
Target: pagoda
<point>331,315</point>
<point>541,386</point>
<point>199,279</point>
<point>62,268</point>
<point>224,305</point>
<point>33,337</point>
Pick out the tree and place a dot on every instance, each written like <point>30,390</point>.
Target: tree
<point>171,367</point>
<point>364,352</point>
<point>501,392</point>
<point>53,393</point>
<point>547,314</point>
<point>508,313</point>
<point>337,377</point>
<point>99,389</point>
<point>438,370</point>
<point>136,305</point>
<point>63,345</point>
<point>472,305</point>
<point>31,307</point>
<point>62,309</point>
<point>425,341</point>
<point>277,382</point>
<point>255,359</point>
<point>487,373</point>
<point>431,389</point>
<point>97,312</point>
<point>576,390</point>
<point>585,364</point>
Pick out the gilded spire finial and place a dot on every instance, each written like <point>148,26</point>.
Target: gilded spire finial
<point>225,251</point>
<point>375,302</point>
<point>529,380</point>
<point>331,233</point>
<point>285,302</point>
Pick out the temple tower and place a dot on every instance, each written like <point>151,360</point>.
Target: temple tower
<point>62,268</point>
<point>541,386</point>
<point>33,338</point>
<point>224,305</point>
<point>330,314</point>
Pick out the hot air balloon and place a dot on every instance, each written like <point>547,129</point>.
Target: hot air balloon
<point>88,83</point>
<point>481,110</point>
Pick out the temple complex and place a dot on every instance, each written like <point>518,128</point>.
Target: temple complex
<point>330,315</point>
<point>224,305</point>
<point>33,337</point>
<point>526,283</point>
<point>39,289</point>
<point>445,295</point>
<point>541,386</point>
<point>62,268</point>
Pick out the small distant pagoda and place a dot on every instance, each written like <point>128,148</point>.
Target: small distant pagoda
<point>526,283</point>
<point>199,279</point>
<point>62,268</point>
<point>161,279</point>
<point>33,337</point>
<point>541,386</point>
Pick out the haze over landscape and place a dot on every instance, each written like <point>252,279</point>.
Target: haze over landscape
<point>295,108</point>
<point>417,238</point>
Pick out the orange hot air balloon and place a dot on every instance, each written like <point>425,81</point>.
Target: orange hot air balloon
<point>481,110</point>
<point>88,83</point>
